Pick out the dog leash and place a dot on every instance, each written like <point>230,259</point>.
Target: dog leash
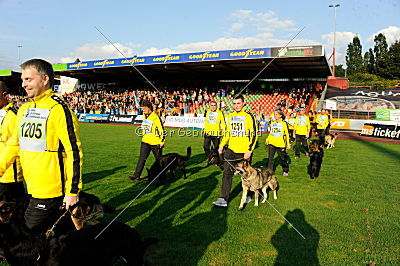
<point>50,232</point>
<point>85,218</point>
<point>273,207</point>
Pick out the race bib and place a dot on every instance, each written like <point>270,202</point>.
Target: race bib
<point>32,130</point>
<point>301,121</point>
<point>147,125</point>
<point>276,130</point>
<point>212,117</point>
<point>238,126</point>
<point>292,121</point>
<point>321,119</point>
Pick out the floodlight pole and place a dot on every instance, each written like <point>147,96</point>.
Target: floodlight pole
<point>334,36</point>
<point>19,58</point>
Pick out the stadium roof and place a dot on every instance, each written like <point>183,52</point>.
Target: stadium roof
<point>242,64</point>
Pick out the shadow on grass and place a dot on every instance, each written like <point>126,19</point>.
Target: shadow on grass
<point>184,226</point>
<point>95,176</point>
<point>380,148</point>
<point>292,248</point>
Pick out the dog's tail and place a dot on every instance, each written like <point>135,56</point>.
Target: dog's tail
<point>188,153</point>
<point>149,241</point>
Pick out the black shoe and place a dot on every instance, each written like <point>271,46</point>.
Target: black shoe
<point>134,178</point>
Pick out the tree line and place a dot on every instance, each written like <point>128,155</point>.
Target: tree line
<point>381,61</point>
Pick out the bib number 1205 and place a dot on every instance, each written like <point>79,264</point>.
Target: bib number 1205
<point>31,130</point>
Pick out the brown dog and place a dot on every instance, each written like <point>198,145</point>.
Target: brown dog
<point>254,179</point>
<point>330,139</point>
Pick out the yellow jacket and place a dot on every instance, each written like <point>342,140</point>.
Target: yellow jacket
<point>214,123</point>
<point>153,130</point>
<point>240,133</point>
<point>322,121</point>
<point>302,125</point>
<point>291,121</point>
<point>46,139</point>
<point>278,134</point>
<point>7,117</point>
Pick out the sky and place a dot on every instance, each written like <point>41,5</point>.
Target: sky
<point>61,31</point>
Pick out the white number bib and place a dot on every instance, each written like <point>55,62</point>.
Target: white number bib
<point>147,125</point>
<point>276,130</point>
<point>321,119</point>
<point>301,121</point>
<point>212,117</point>
<point>237,126</point>
<point>32,130</point>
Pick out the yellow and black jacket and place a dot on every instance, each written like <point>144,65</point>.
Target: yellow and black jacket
<point>214,124</point>
<point>240,133</point>
<point>152,130</point>
<point>8,117</point>
<point>302,125</point>
<point>46,139</point>
<point>322,121</point>
<point>278,134</point>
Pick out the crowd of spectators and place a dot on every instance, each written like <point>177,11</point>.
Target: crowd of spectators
<point>178,101</point>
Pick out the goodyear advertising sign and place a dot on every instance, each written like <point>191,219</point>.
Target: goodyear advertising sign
<point>175,58</point>
<point>381,131</point>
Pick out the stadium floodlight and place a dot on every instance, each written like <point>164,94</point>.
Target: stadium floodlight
<point>19,57</point>
<point>334,37</point>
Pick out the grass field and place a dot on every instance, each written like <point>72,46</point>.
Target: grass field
<point>349,215</point>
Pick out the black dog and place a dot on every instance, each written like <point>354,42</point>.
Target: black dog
<point>316,148</point>
<point>178,161</point>
<point>20,246</point>
<point>81,248</point>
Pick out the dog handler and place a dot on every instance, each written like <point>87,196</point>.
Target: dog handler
<point>322,120</point>
<point>301,132</point>
<point>278,141</point>
<point>214,126</point>
<point>153,138</point>
<point>241,137</point>
<point>46,140</point>
<point>11,186</point>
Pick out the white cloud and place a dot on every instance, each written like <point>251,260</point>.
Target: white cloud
<point>264,22</point>
<point>342,41</point>
<point>258,41</point>
<point>92,51</point>
<point>392,34</point>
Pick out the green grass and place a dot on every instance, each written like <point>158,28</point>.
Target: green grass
<point>349,215</point>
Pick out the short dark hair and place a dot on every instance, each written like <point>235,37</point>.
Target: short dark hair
<point>3,87</point>
<point>147,103</point>
<point>42,66</point>
<point>239,97</point>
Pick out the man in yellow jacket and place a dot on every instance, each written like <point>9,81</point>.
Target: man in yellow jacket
<point>47,142</point>
<point>241,137</point>
<point>153,138</point>
<point>278,141</point>
<point>301,132</point>
<point>214,126</point>
<point>322,120</point>
<point>11,186</point>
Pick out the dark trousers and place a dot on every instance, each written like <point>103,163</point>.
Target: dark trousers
<point>231,160</point>
<point>41,214</point>
<point>12,191</point>
<point>282,154</point>
<point>291,135</point>
<point>211,152</point>
<point>144,153</point>
<point>301,140</point>
<point>321,133</point>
